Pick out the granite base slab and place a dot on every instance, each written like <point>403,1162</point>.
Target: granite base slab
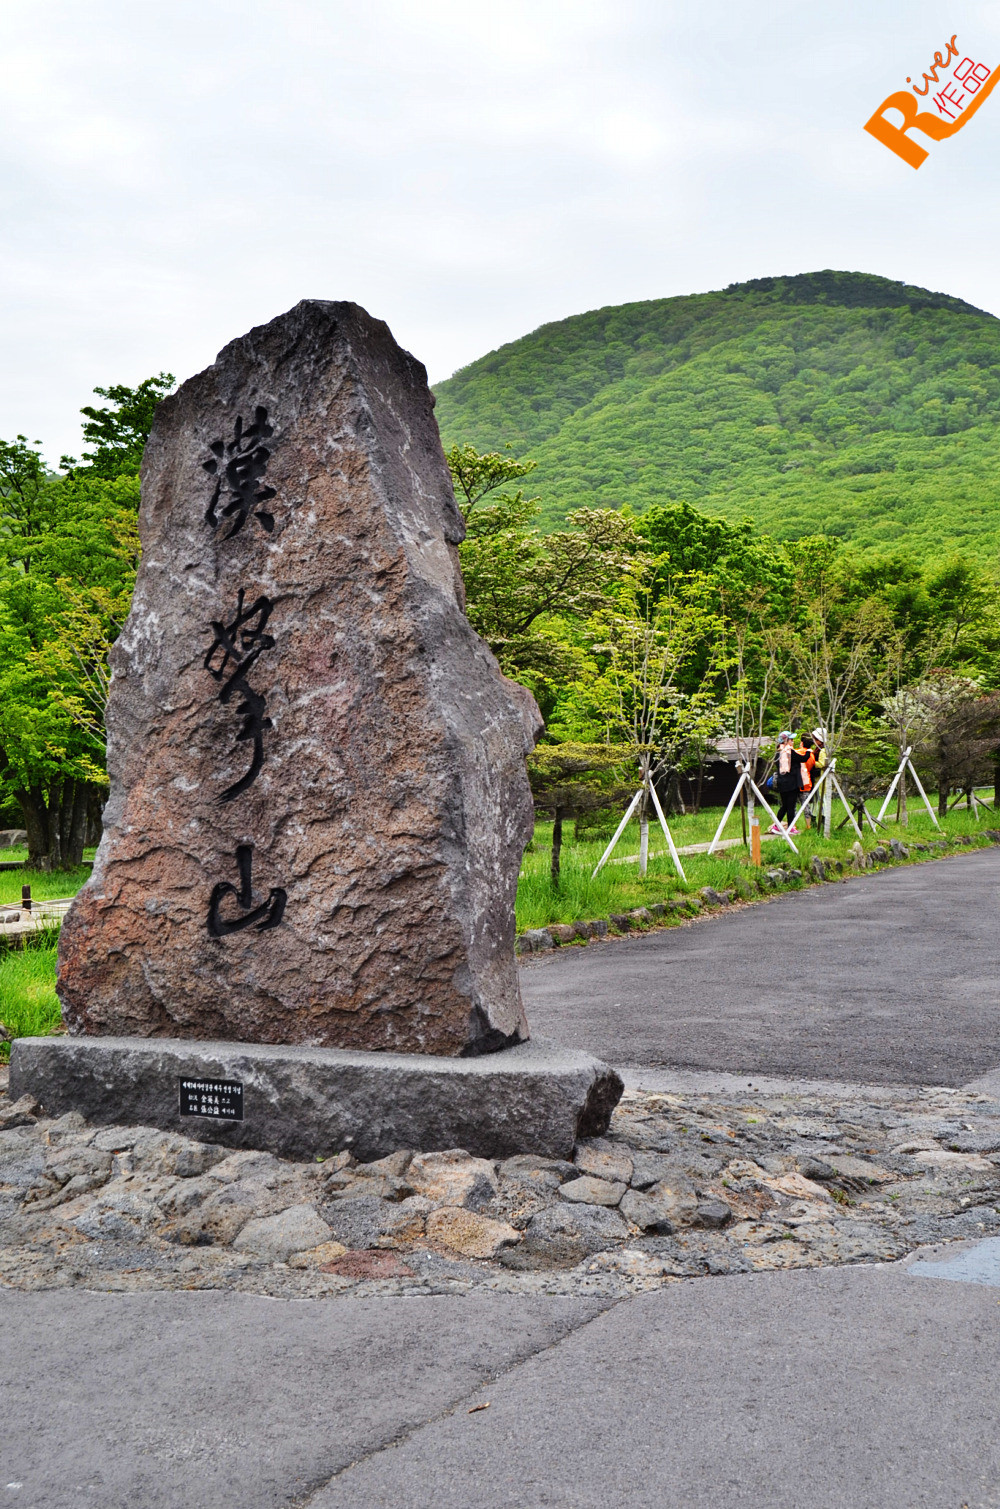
<point>299,1102</point>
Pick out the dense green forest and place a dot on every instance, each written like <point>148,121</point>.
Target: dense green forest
<point>832,402</point>
<point>647,628</point>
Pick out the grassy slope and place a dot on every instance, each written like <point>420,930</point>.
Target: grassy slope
<point>830,401</point>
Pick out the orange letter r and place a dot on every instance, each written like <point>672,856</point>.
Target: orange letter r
<point>895,137</point>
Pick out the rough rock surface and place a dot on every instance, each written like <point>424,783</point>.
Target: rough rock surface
<point>298,1102</point>
<point>306,737</point>
<point>739,1183</point>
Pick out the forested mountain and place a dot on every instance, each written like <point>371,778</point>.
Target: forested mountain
<point>831,401</point>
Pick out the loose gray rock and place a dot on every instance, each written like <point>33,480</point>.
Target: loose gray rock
<point>649,1168</point>
<point>562,1236</point>
<point>22,1158</point>
<point>713,1214</point>
<point>68,1163</point>
<point>167,1153</point>
<point>535,941</point>
<point>275,1238</point>
<point>985,1140</point>
<point>590,1191</point>
<point>67,1128</point>
<point>393,1166</point>
<point>646,1213</point>
<point>368,1221</point>
<point>536,1174</point>
<point>23,1113</point>
<point>604,1160</point>
<point>676,1197</point>
<point>815,1168</point>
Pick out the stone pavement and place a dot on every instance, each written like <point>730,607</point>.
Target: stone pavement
<point>685,1184</point>
<point>885,978</point>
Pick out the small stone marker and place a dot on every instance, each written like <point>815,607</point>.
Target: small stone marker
<point>318,793</point>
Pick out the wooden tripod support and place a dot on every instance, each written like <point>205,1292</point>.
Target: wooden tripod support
<point>904,764</point>
<point>747,780</point>
<point>624,824</point>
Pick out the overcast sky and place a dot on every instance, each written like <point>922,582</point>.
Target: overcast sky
<point>171,175</point>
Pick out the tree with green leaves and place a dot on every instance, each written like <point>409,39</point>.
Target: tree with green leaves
<point>65,548</point>
<point>119,433</point>
<point>573,778</point>
<point>528,594</point>
<point>68,557</point>
<point>24,490</point>
<point>959,731</point>
<point>643,647</point>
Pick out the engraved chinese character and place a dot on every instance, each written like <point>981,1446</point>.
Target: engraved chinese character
<point>238,468</point>
<point>234,651</point>
<point>266,915</point>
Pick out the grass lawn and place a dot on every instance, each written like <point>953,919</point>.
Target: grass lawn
<point>619,888</point>
<point>46,885</point>
<point>28,1003</point>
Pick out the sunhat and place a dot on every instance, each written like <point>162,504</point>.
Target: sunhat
<point>820,734</point>
<point>785,734</point>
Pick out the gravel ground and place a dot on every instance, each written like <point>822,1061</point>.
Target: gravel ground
<point>684,1185</point>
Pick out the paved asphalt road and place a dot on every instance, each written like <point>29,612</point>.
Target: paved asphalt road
<point>887,978</point>
<point>850,1388</point>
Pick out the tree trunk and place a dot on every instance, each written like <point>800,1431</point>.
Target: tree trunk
<point>95,814</point>
<point>943,790</point>
<point>674,805</point>
<point>902,817</point>
<point>643,834</point>
<point>55,821</point>
<point>557,827</point>
<point>701,781</point>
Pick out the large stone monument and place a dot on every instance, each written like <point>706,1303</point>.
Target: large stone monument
<point>319,801</point>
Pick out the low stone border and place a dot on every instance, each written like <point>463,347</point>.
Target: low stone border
<point>665,913</point>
